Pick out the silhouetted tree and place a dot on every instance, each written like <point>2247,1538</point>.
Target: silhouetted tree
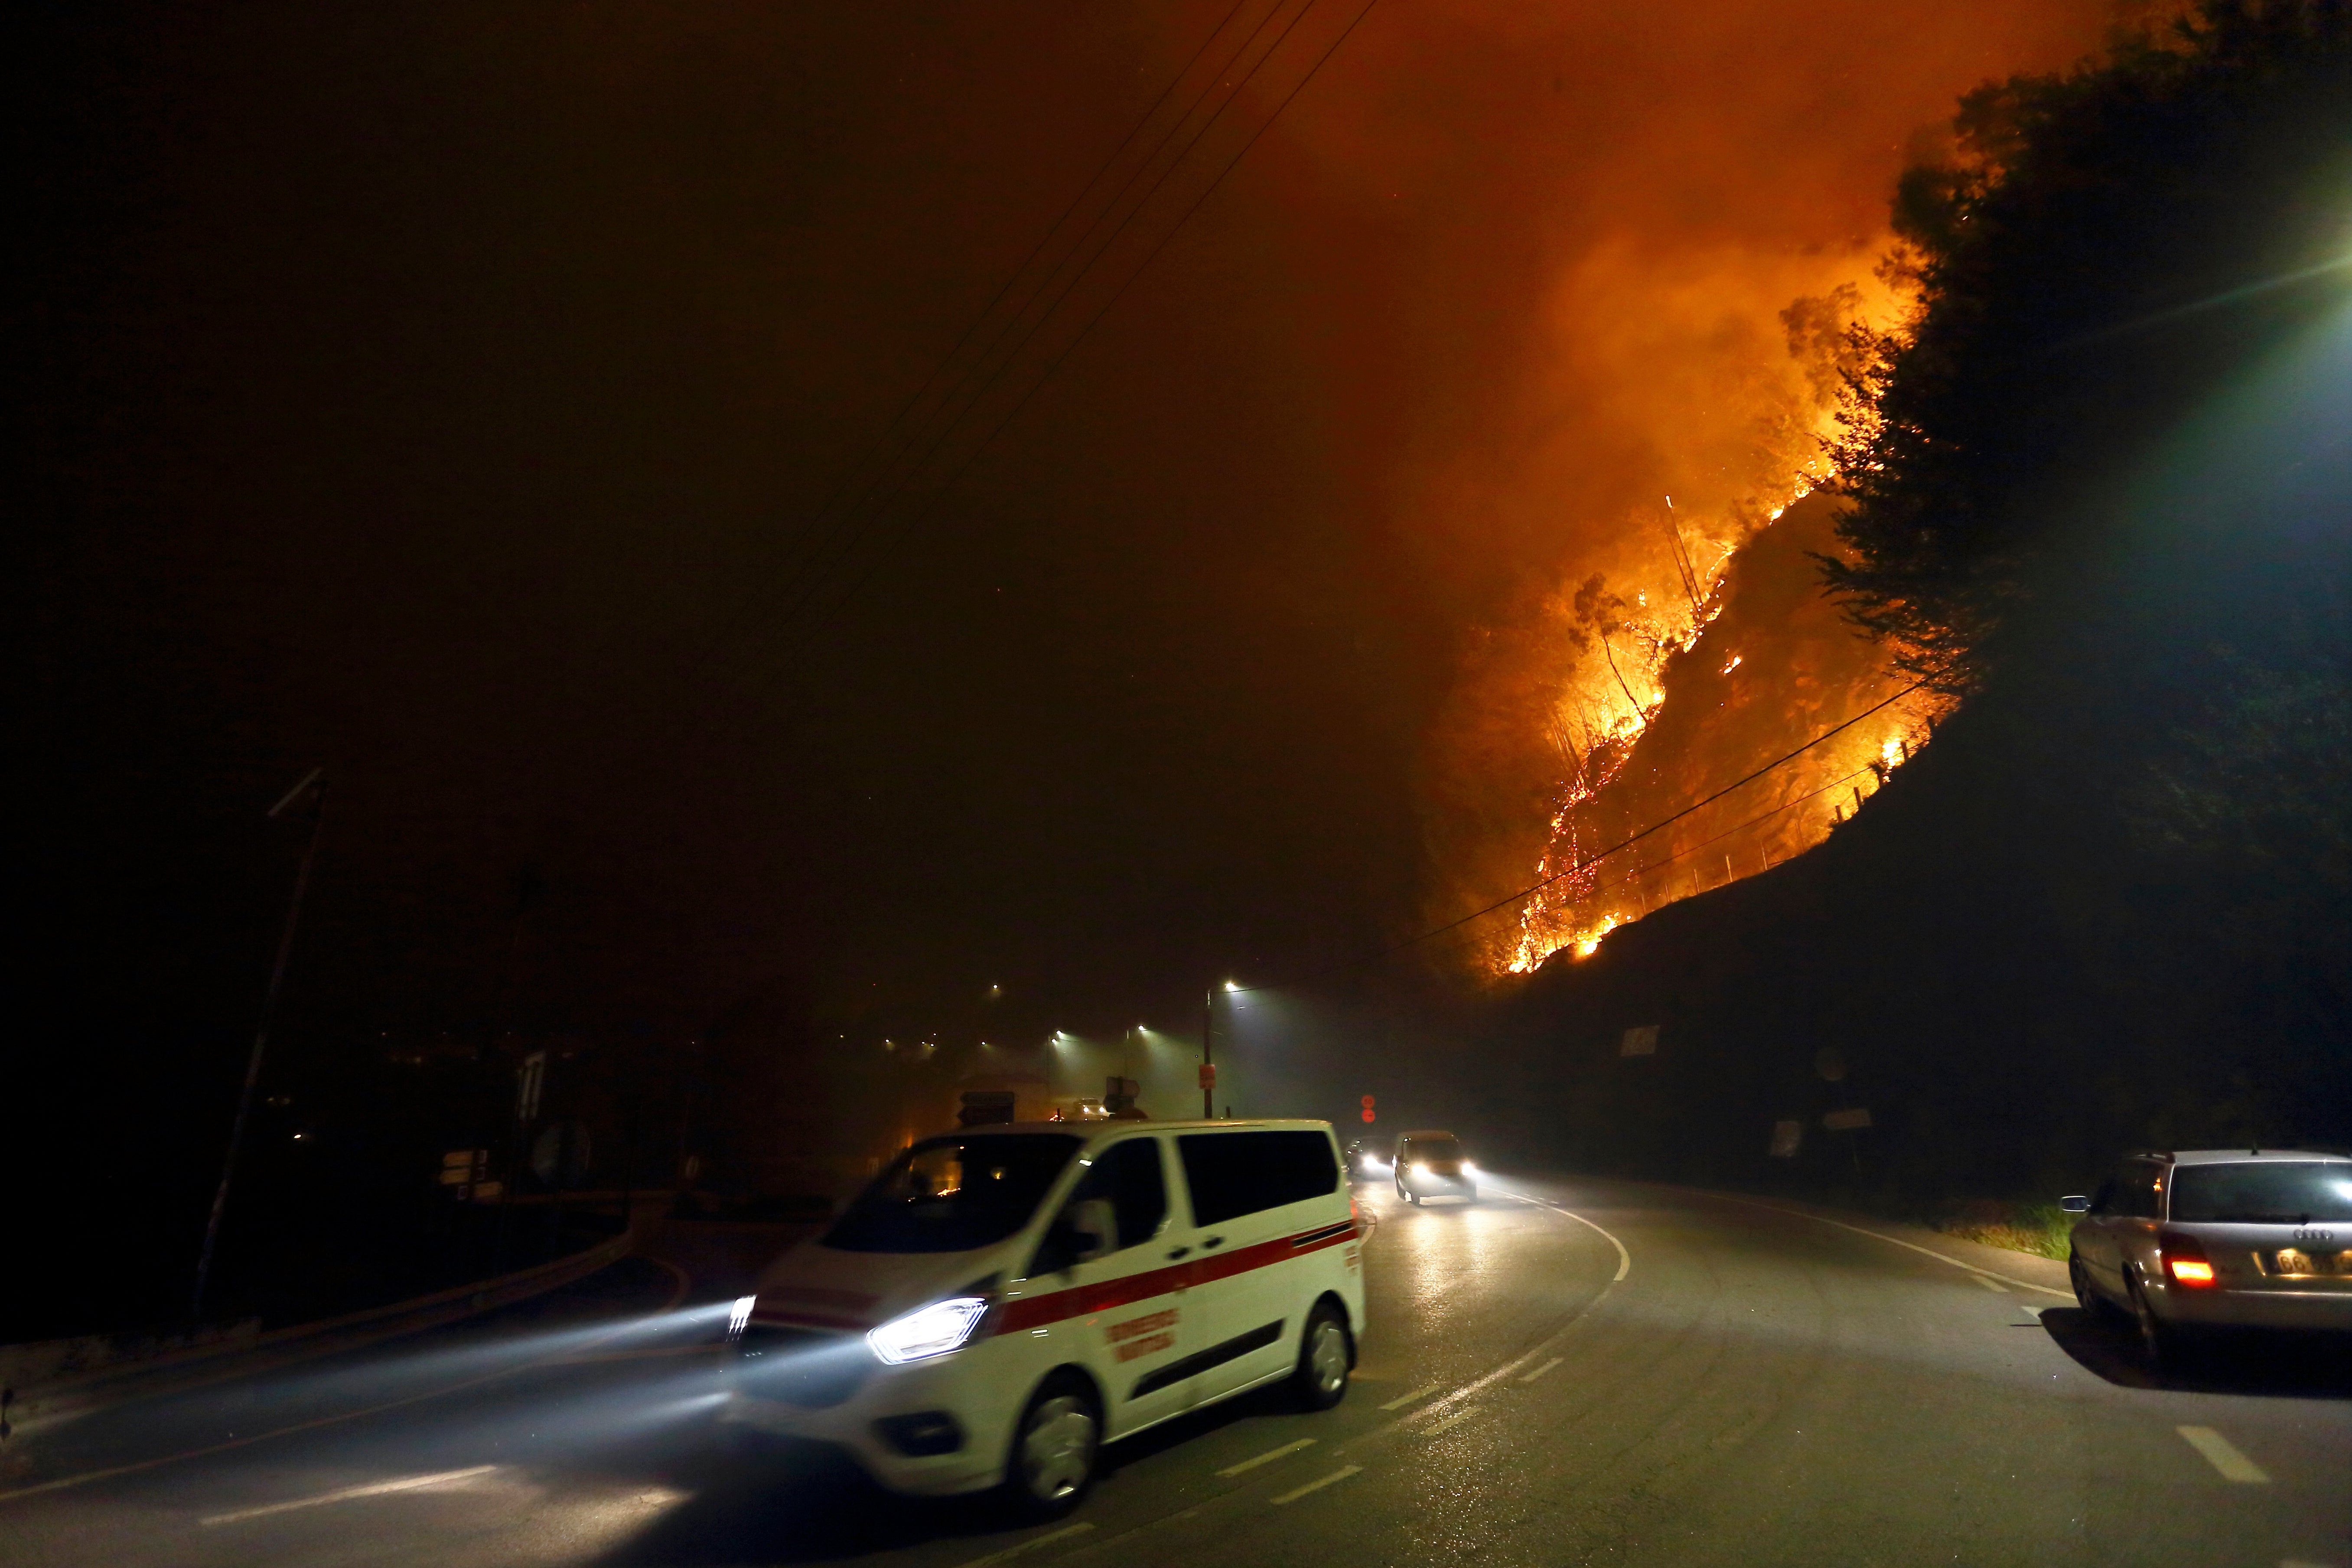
<point>2102,248</point>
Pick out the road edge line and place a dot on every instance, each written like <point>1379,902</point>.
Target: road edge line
<point>1893,1241</point>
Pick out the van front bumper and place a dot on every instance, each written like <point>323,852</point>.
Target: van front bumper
<point>914,1429</point>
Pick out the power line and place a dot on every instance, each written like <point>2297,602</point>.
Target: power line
<point>834,548</point>
<point>877,448</point>
<point>931,503</point>
<point>1597,857</point>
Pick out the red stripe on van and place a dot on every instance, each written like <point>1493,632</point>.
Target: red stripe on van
<point>1036,1312</point>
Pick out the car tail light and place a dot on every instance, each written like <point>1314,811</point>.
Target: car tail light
<point>2185,1262</point>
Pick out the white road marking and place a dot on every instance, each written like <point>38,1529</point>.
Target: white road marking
<point>1339,1475</point>
<point>1402,1400</point>
<point>372,1488</point>
<point>1538,1372</point>
<point>1897,1241</point>
<point>2223,1456</point>
<point>1453,1420</point>
<point>1034,1541</point>
<point>1269,1456</point>
<point>1990,1283</point>
<point>1624,1258</point>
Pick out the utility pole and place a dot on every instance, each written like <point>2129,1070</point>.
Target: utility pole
<point>313,783</point>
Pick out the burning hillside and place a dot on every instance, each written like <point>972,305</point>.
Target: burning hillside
<point>1759,664</point>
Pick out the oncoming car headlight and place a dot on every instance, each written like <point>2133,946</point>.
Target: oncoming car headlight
<point>928,1330</point>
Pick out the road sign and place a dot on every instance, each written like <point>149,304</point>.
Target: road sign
<point>1366,1103</point>
<point>1641,1042</point>
<point>1208,1075</point>
<point>1846,1121</point>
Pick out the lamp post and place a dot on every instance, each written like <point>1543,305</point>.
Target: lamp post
<point>1208,1059</point>
<point>314,784</point>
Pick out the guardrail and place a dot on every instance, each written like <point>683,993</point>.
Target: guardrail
<point>49,1380</point>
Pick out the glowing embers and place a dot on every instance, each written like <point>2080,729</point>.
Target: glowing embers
<point>1586,946</point>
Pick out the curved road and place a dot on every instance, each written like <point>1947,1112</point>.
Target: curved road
<point>1570,1372</point>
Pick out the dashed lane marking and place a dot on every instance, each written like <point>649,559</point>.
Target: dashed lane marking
<point>1339,1475</point>
<point>1538,1372</point>
<point>1455,1419</point>
<point>1269,1456</point>
<point>1019,1547</point>
<point>2223,1456</point>
<point>1402,1400</point>
<point>347,1494</point>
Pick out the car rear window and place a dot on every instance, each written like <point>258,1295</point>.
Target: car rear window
<point>1235,1173</point>
<point>952,1195</point>
<point>2268,1192</point>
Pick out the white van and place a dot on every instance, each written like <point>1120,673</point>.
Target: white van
<point>1003,1299</point>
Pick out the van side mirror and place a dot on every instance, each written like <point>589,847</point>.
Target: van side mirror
<point>1096,1226</point>
<point>2074,1203</point>
<point>1079,1234</point>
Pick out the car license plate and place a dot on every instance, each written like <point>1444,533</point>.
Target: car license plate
<point>2294,1263</point>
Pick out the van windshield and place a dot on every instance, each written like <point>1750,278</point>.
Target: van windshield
<point>1436,1149</point>
<point>2268,1192</point>
<point>953,1194</point>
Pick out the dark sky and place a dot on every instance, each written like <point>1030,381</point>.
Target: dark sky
<point>452,395</point>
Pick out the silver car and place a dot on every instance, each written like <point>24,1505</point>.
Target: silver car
<point>2215,1238</point>
<point>1431,1165</point>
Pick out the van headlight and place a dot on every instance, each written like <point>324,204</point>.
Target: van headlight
<point>928,1330</point>
<point>1469,1168</point>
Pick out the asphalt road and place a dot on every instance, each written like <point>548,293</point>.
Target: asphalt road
<point>1586,1371</point>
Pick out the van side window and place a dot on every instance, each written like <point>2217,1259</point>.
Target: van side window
<point>1128,1175</point>
<point>1235,1173</point>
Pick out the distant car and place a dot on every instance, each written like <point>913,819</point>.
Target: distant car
<point>1355,1155</point>
<point>1431,1165</point>
<point>2217,1238</point>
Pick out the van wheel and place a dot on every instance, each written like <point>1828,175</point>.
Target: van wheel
<point>1053,1460</point>
<point>1321,1380</point>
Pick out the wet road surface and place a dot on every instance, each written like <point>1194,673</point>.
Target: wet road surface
<point>1569,1371</point>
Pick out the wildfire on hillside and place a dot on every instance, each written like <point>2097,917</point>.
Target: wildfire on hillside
<point>1702,654</point>
<point>1754,668</point>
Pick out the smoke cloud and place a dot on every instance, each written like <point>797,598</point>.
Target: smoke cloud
<point>1611,251</point>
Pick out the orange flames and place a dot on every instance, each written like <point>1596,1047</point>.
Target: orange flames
<point>1716,658</point>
